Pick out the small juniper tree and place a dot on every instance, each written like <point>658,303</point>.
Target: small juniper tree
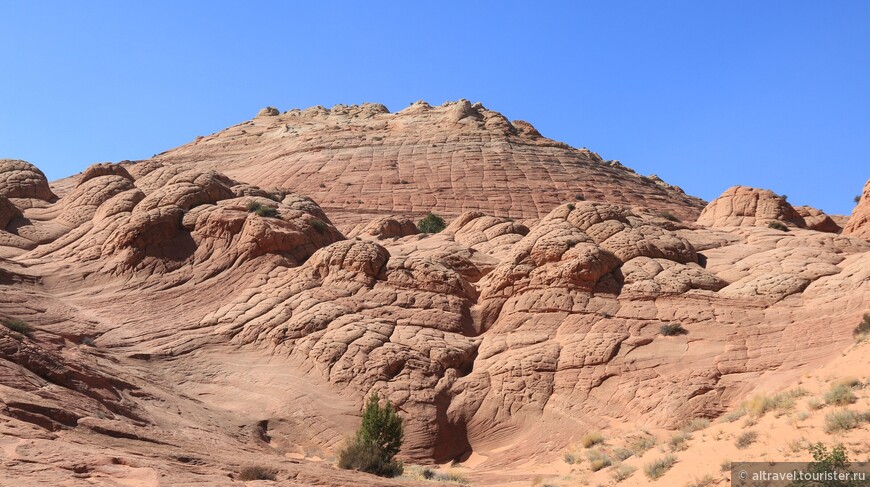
<point>377,441</point>
<point>432,223</point>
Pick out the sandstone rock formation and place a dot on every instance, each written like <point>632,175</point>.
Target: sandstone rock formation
<point>449,159</point>
<point>816,219</point>
<point>859,222</point>
<point>195,313</point>
<point>742,205</point>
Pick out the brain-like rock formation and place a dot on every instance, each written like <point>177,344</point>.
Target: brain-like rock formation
<point>859,222</point>
<point>449,159</point>
<point>20,179</point>
<point>817,220</point>
<point>385,227</point>
<point>8,211</point>
<point>104,169</point>
<point>164,305</point>
<point>742,205</point>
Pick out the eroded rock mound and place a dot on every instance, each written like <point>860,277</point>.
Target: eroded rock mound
<point>742,205</point>
<point>385,227</point>
<point>859,222</point>
<point>20,179</point>
<point>817,220</point>
<point>452,158</point>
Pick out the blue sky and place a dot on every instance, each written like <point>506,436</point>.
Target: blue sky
<point>706,94</point>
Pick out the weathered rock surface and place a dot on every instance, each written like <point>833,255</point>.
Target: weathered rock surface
<point>20,179</point>
<point>449,159</point>
<point>816,219</point>
<point>859,222</point>
<point>742,205</point>
<point>172,306</point>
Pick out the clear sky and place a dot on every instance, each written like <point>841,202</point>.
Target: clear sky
<point>706,94</point>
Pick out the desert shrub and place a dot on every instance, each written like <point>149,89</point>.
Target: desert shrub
<point>571,207</point>
<point>597,460</point>
<point>450,476</point>
<point>266,212</point>
<point>569,458</point>
<point>642,444</point>
<point>89,341</point>
<point>863,328</point>
<point>827,462</point>
<point>678,441</point>
<point>667,215</point>
<point>695,425</point>
<point>376,442</point>
<point>432,223</point>
<point>761,404</point>
<point>672,329</point>
<point>579,197</point>
<point>815,404</point>
<point>253,206</point>
<point>746,439</point>
<point>622,454</point>
<point>777,226</point>
<point>318,225</point>
<point>857,198</point>
<point>654,470</point>
<point>257,472</point>
<point>591,439</point>
<point>844,420</point>
<point>734,415</point>
<point>725,466</point>
<point>321,185</point>
<point>622,472</point>
<point>840,395</point>
<point>704,481</point>
<point>17,325</point>
<point>848,381</point>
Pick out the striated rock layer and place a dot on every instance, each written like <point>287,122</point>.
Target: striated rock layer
<point>449,159</point>
<point>181,322</point>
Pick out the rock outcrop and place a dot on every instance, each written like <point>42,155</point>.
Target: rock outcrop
<point>859,223</point>
<point>448,159</point>
<point>742,206</point>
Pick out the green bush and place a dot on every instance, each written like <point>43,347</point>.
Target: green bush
<point>16,325</point>
<point>432,223</point>
<point>319,225</point>
<point>667,215</point>
<point>672,329</point>
<point>256,472</point>
<point>777,226</point>
<point>834,462</point>
<point>377,441</point>
<point>857,198</point>
<point>267,212</point>
<point>253,206</point>
<point>656,469</point>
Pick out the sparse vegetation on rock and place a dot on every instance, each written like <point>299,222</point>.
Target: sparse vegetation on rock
<point>257,472</point>
<point>746,438</point>
<point>377,441</point>
<point>17,325</point>
<point>672,329</point>
<point>778,226</point>
<point>432,223</point>
<point>667,215</point>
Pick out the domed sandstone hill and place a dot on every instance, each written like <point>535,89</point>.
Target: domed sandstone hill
<point>173,321</point>
<point>449,159</point>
